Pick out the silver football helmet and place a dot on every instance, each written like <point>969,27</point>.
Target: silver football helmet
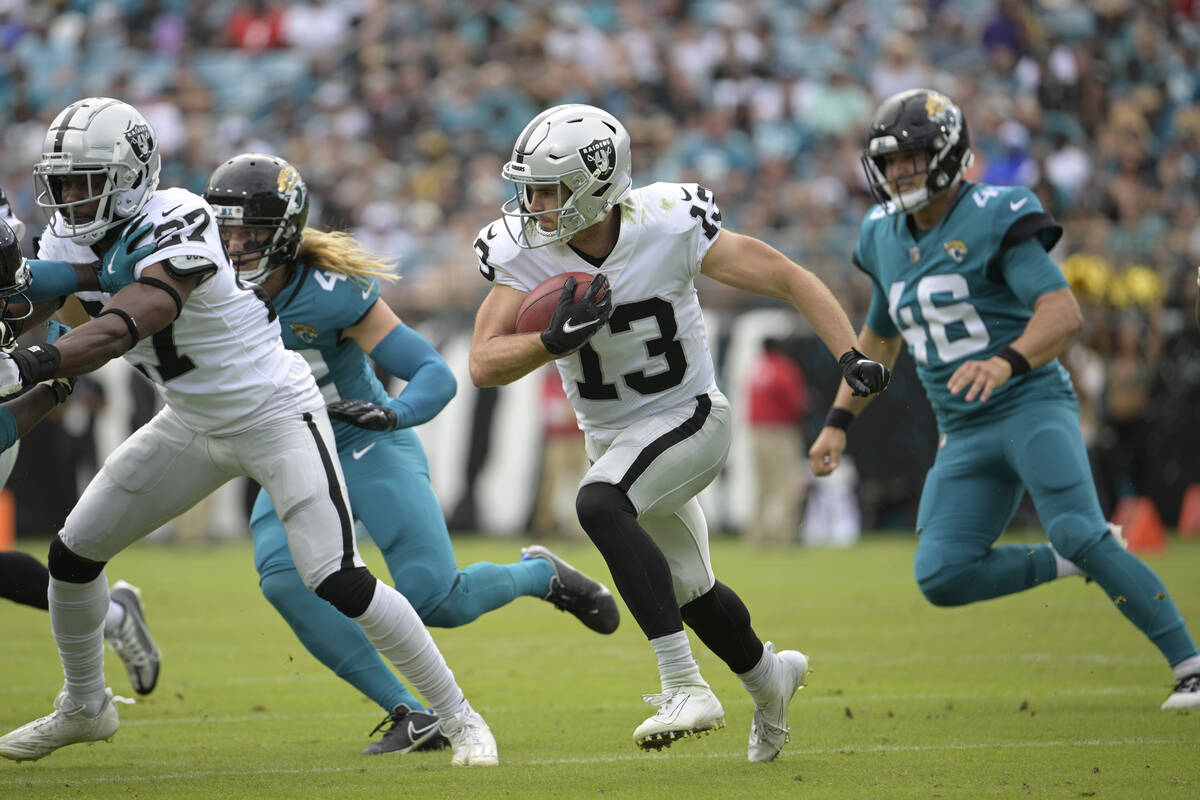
<point>99,166</point>
<point>584,152</point>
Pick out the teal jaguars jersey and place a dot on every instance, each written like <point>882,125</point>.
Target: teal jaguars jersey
<point>314,308</point>
<point>963,290</point>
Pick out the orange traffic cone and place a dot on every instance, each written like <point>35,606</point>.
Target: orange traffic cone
<point>1143,528</point>
<point>1189,513</point>
<point>8,520</point>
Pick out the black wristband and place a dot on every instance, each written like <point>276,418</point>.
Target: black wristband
<point>130,325</point>
<point>839,418</point>
<point>37,362</point>
<point>1018,362</point>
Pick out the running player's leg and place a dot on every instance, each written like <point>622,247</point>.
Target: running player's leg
<point>328,634</point>
<point>391,493</point>
<point>24,579</point>
<point>1053,461</point>
<point>160,471</point>
<point>296,462</point>
<point>969,498</point>
<point>652,471</point>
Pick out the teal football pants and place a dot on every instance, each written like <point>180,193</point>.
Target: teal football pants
<point>972,492</point>
<point>391,494</point>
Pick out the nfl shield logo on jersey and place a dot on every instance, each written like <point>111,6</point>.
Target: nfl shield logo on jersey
<point>600,157</point>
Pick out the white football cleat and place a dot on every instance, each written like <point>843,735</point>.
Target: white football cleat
<point>1186,694</point>
<point>472,740</point>
<point>769,730</point>
<point>683,711</point>
<point>67,725</point>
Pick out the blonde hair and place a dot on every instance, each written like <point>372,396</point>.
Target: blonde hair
<point>338,251</point>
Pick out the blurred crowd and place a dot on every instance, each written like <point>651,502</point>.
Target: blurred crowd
<point>400,114</point>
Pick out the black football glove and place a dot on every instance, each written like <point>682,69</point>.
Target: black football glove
<point>362,414</point>
<point>572,324</point>
<point>62,387</point>
<point>866,377</point>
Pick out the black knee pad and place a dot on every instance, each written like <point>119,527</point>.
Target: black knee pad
<point>596,504</point>
<point>66,566</point>
<point>349,590</point>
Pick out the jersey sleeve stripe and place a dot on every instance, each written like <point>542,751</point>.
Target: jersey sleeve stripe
<point>1039,224</point>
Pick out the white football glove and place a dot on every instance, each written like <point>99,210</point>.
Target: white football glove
<point>10,376</point>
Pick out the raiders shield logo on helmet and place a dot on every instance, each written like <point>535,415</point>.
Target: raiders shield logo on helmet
<point>600,157</point>
<point>141,141</point>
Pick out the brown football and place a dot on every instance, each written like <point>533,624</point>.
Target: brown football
<point>542,299</point>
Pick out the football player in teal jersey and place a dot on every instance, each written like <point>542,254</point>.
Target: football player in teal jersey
<point>325,289</point>
<point>962,276</point>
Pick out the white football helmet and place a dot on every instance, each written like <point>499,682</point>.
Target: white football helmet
<point>110,145</point>
<point>584,151</point>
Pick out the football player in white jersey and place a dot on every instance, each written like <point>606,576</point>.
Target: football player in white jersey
<point>237,403</point>
<point>24,579</point>
<point>635,363</point>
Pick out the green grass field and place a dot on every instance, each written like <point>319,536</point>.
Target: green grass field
<point>1046,694</point>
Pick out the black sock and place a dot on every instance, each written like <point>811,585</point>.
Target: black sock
<point>639,568</point>
<point>722,621</point>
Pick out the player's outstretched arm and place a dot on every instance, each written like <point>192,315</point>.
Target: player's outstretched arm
<point>826,452</point>
<point>139,310</point>
<point>500,355</point>
<point>1055,322</point>
<point>754,266</point>
<point>20,415</point>
<point>408,355</point>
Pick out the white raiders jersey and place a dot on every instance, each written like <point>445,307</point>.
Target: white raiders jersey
<point>653,353</point>
<point>221,366</point>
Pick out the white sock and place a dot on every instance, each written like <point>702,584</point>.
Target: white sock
<point>676,666</point>
<point>77,618</point>
<point>1189,666</point>
<point>395,630</point>
<point>759,681</point>
<point>1065,567</point>
<point>114,617</point>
